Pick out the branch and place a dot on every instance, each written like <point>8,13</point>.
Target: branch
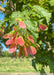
<point>48,43</point>
<point>13,7</point>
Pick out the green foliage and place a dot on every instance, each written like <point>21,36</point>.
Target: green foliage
<point>51,2</point>
<point>42,12</point>
<point>6,54</point>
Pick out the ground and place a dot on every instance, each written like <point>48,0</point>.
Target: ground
<point>16,65</point>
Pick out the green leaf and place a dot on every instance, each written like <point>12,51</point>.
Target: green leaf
<point>51,65</point>
<point>40,42</point>
<point>43,12</point>
<point>51,2</point>
<point>31,25</point>
<point>12,21</point>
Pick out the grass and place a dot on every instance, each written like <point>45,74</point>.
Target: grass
<point>8,64</point>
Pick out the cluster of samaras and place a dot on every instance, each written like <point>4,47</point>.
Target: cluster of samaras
<point>14,41</point>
